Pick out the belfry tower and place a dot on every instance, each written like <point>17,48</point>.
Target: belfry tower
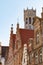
<point>29,15</point>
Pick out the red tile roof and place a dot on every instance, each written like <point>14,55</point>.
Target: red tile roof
<point>26,34</point>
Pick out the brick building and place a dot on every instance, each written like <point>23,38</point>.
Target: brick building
<point>26,46</point>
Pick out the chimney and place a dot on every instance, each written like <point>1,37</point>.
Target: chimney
<point>42,13</point>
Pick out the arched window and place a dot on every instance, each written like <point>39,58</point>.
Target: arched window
<point>33,21</point>
<point>30,57</point>
<point>29,20</point>
<point>26,20</point>
<point>36,58</point>
<point>40,55</point>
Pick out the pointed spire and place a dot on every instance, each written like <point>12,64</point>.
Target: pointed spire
<point>17,25</point>
<point>11,28</point>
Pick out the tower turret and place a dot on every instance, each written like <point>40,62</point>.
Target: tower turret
<point>29,15</point>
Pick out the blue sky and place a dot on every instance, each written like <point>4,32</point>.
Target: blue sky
<point>11,11</point>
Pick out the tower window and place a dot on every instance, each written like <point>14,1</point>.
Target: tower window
<point>26,18</point>
<point>29,20</point>
<point>26,22</point>
<point>33,20</point>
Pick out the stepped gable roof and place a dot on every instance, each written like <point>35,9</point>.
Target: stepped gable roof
<point>4,49</point>
<point>25,34</point>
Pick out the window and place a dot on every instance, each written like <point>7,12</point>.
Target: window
<point>24,60</point>
<point>36,58</point>
<point>30,57</point>
<point>37,37</point>
<point>33,20</point>
<point>26,20</point>
<point>29,20</point>
<point>40,55</point>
